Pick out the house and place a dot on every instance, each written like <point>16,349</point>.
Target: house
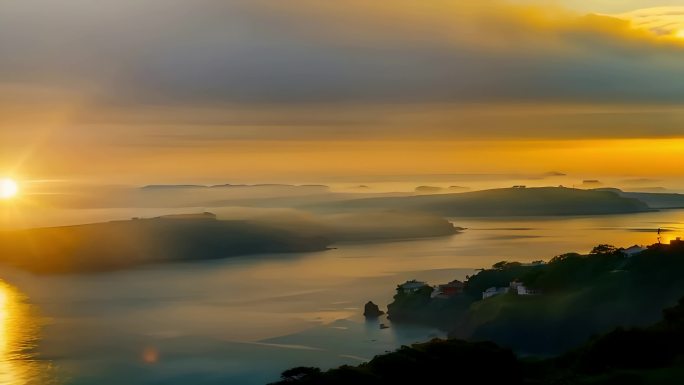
<point>412,286</point>
<point>494,291</point>
<point>534,263</point>
<point>452,288</point>
<point>519,288</point>
<point>448,290</point>
<point>633,250</point>
<point>677,242</point>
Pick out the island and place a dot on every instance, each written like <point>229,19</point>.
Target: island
<point>517,201</point>
<point>202,236</point>
<point>122,244</point>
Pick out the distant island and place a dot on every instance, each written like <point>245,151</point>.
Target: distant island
<point>518,201</point>
<point>428,189</point>
<point>201,236</point>
<point>122,244</point>
<point>228,186</point>
<point>655,200</point>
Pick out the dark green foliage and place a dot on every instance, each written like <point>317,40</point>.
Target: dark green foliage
<point>407,304</point>
<point>580,296</point>
<point>573,271</point>
<point>503,265</point>
<point>500,276</point>
<point>604,249</point>
<point>652,355</point>
<point>428,363</point>
<point>300,372</point>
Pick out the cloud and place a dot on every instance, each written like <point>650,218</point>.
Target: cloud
<point>663,21</point>
<point>256,87</point>
<point>305,51</point>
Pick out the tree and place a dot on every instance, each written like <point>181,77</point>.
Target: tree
<point>300,373</point>
<point>505,265</point>
<point>564,257</point>
<point>604,249</point>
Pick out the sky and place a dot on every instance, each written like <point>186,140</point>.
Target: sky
<point>210,91</point>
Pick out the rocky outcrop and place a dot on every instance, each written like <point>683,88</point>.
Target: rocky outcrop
<point>372,310</point>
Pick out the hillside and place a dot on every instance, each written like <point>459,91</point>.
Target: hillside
<point>504,202</point>
<point>121,244</point>
<point>652,199</point>
<point>643,356</point>
<point>184,237</point>
<point>576,296</point>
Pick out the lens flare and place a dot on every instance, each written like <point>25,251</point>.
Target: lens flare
<point>8,188</point>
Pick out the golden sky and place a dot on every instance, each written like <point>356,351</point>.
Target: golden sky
<point>308,90</point>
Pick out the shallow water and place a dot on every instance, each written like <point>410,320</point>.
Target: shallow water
<point>243,320</point>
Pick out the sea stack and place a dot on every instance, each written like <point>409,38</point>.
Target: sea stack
<point>372,310</point>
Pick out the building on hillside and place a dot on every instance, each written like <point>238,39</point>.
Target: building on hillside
<point>448,290</point>
<point>677,242</point>
<point>494,291</point>
<point>519,288</point>
<point>412,286</point>
<point>633,250</point>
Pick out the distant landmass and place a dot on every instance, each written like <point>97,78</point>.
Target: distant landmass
<point>122,244</point>
<point>223,194</point>
<point>361,226</point>
<point>654,200</point>
<point>228,185</point>
<point>428,189</point>
<point>505,202</point>
<point>458,188</point>
<point>201,236</point>
<point>591,183</point>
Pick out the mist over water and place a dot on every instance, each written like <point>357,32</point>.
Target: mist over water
<point>245,319</point>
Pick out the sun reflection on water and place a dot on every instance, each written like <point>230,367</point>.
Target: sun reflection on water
<point>19,335</point>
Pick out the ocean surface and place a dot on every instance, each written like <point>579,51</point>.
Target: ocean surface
<point>244,320</point>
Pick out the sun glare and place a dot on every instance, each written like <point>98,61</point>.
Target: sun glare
<point>680,34</point>
<point>8,188</point>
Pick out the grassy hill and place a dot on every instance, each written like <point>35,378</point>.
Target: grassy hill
<point>505,202</point>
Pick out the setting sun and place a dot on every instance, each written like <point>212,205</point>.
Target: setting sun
<point>8,188</point>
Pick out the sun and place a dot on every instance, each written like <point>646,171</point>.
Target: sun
<point>8,188</point>
<point>680,34</point>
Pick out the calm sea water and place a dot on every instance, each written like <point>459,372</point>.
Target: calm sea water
<point>243,320</point>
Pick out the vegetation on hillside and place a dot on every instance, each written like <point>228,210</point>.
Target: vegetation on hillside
<point>579,296</point>
<point>652,355</point>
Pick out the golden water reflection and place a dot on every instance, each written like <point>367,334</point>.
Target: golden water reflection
<point>19,334</point>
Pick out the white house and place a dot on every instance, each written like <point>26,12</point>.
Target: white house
<point>494,291</point>
<point>412,286</point>
<point>520,289</point>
